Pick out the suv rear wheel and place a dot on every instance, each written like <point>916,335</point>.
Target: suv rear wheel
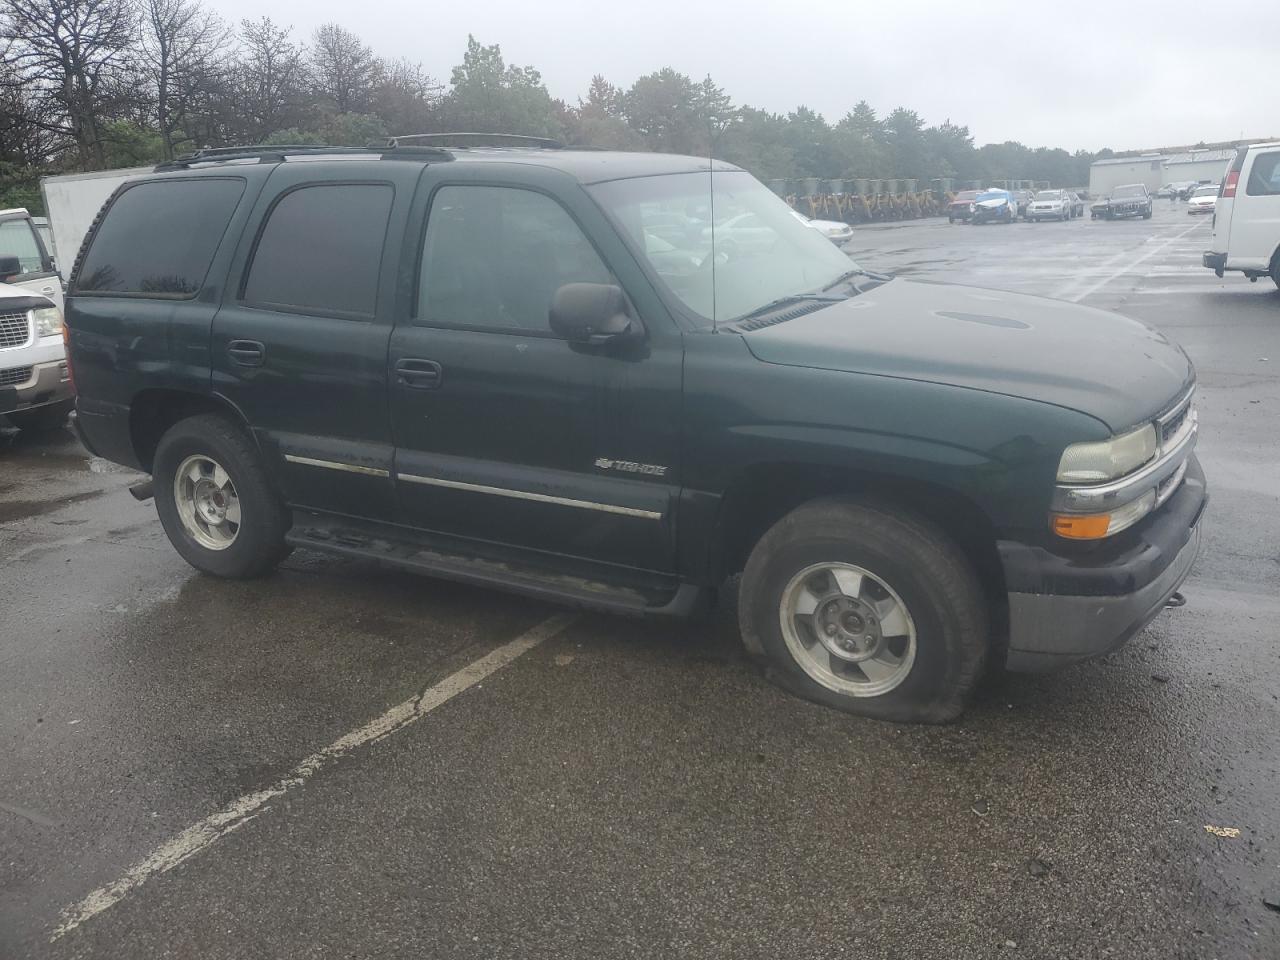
<point>866,609</point>
<point>215,501</point>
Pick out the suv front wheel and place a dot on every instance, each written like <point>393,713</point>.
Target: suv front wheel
<point>867,609</point>
<point>215,501</point>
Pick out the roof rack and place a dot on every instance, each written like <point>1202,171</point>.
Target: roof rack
<point>473,140</point>
<point>276,153</point>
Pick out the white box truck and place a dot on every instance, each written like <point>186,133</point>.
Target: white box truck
<point>72,200</point>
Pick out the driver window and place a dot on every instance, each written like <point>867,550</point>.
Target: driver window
<point>493,258</point>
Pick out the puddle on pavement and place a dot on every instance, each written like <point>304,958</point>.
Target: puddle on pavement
<point>11,510</point>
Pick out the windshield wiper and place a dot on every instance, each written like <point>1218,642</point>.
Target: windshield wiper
<point>857,272</point>
<point>783,301</point>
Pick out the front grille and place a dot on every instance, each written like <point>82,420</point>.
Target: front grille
<point>12,376</point>
<point>1174,423</point>
<point>15,331</point>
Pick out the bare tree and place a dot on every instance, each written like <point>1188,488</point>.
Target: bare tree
<point>406,98</point>
<point>183,50</point>
<point>72,54</point>
<point>344,71</point>
<point>270,82</point>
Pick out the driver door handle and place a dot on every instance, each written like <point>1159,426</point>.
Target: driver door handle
<point>416,374</point>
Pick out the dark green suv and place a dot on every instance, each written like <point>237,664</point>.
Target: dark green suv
<point>617,380</point>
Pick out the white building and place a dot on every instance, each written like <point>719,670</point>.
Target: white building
<point>1157,169</point>
<point>1199,165</point>
<point>1106,175</point>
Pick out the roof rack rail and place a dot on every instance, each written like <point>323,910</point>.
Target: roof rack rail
<point>470,139</point>
<point>276,153</point>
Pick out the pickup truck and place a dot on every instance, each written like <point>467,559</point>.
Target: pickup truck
<point>482,363</point>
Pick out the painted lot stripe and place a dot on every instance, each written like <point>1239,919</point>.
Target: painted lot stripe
<point>239,812</point>
<point>1157,248</point>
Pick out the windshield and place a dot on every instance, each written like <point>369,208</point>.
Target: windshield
<point>993,195</point>
<point>968,194</point>
<point>1049,195</point>
<point>1206,192</point>
<point>762,251</point>
<point>1130,191</point>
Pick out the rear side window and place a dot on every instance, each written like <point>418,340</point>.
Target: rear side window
<point>321,251</point>
<point>1264,178</point>
<point>158,238</point>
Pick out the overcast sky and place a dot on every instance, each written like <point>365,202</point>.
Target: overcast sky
<point>1089,74</point>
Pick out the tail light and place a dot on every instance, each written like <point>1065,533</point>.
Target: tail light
<point>66,351</point>
<point>1229,184</point>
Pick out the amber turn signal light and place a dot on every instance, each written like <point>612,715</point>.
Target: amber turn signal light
<point>1075,527</point>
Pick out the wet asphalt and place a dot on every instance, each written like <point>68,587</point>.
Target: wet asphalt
<point>631,789</point>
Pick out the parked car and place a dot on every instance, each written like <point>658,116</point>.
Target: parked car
<point>1246,220</point>
<point>1076,203</point>
<point>1049,205</point>
<point>32,268</point>
<point>1024,200</point>
<point>961,206</point>
<point>1130,200</point>
<point>35,389</point>
<point>464,362</point>
<point>1203,200</point>
<point>994,206</point>
<point>1167,192</point>
<point>833,230</point>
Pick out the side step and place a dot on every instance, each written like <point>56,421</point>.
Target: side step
<point>352,539</point>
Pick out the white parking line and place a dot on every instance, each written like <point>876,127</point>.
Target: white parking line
<point>1098,285</point>
<point>239,812</point>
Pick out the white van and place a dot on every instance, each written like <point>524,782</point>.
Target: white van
<point>1246,221</point>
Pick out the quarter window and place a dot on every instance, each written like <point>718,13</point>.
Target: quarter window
<point>321,251</point>
<point>493,258</point>
<point>1264,178</point>
<point>158,238</point>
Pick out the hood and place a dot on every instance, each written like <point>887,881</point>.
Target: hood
<point>1102,364</point>
<point>10,293</point>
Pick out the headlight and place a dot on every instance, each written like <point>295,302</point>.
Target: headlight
<point>48,321</point>
<point>1108,459</point>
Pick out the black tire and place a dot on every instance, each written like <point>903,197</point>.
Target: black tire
<point>934,580</point>
<point>951,219</point>
<point>1275,269</point>
<point>46,419</point>
<point>1146,214</point>
<point>259,544</point>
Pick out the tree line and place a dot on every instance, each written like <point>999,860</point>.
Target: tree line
<point>97,84</point>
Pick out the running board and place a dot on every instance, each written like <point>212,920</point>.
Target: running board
<point>350,538</point>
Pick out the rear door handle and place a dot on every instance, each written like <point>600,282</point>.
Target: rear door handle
<point>419,374</point>
<point>246,353</point>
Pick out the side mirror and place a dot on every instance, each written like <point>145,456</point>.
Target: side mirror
<point>10,267</point>
<point>592,313</point>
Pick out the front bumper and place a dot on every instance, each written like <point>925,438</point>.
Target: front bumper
<point>1067,608</point>
<point>1035,214</point>
<point>47,383</point>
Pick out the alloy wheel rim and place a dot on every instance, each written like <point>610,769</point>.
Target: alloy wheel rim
<point>848,629</point>
<point>207,502</point>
